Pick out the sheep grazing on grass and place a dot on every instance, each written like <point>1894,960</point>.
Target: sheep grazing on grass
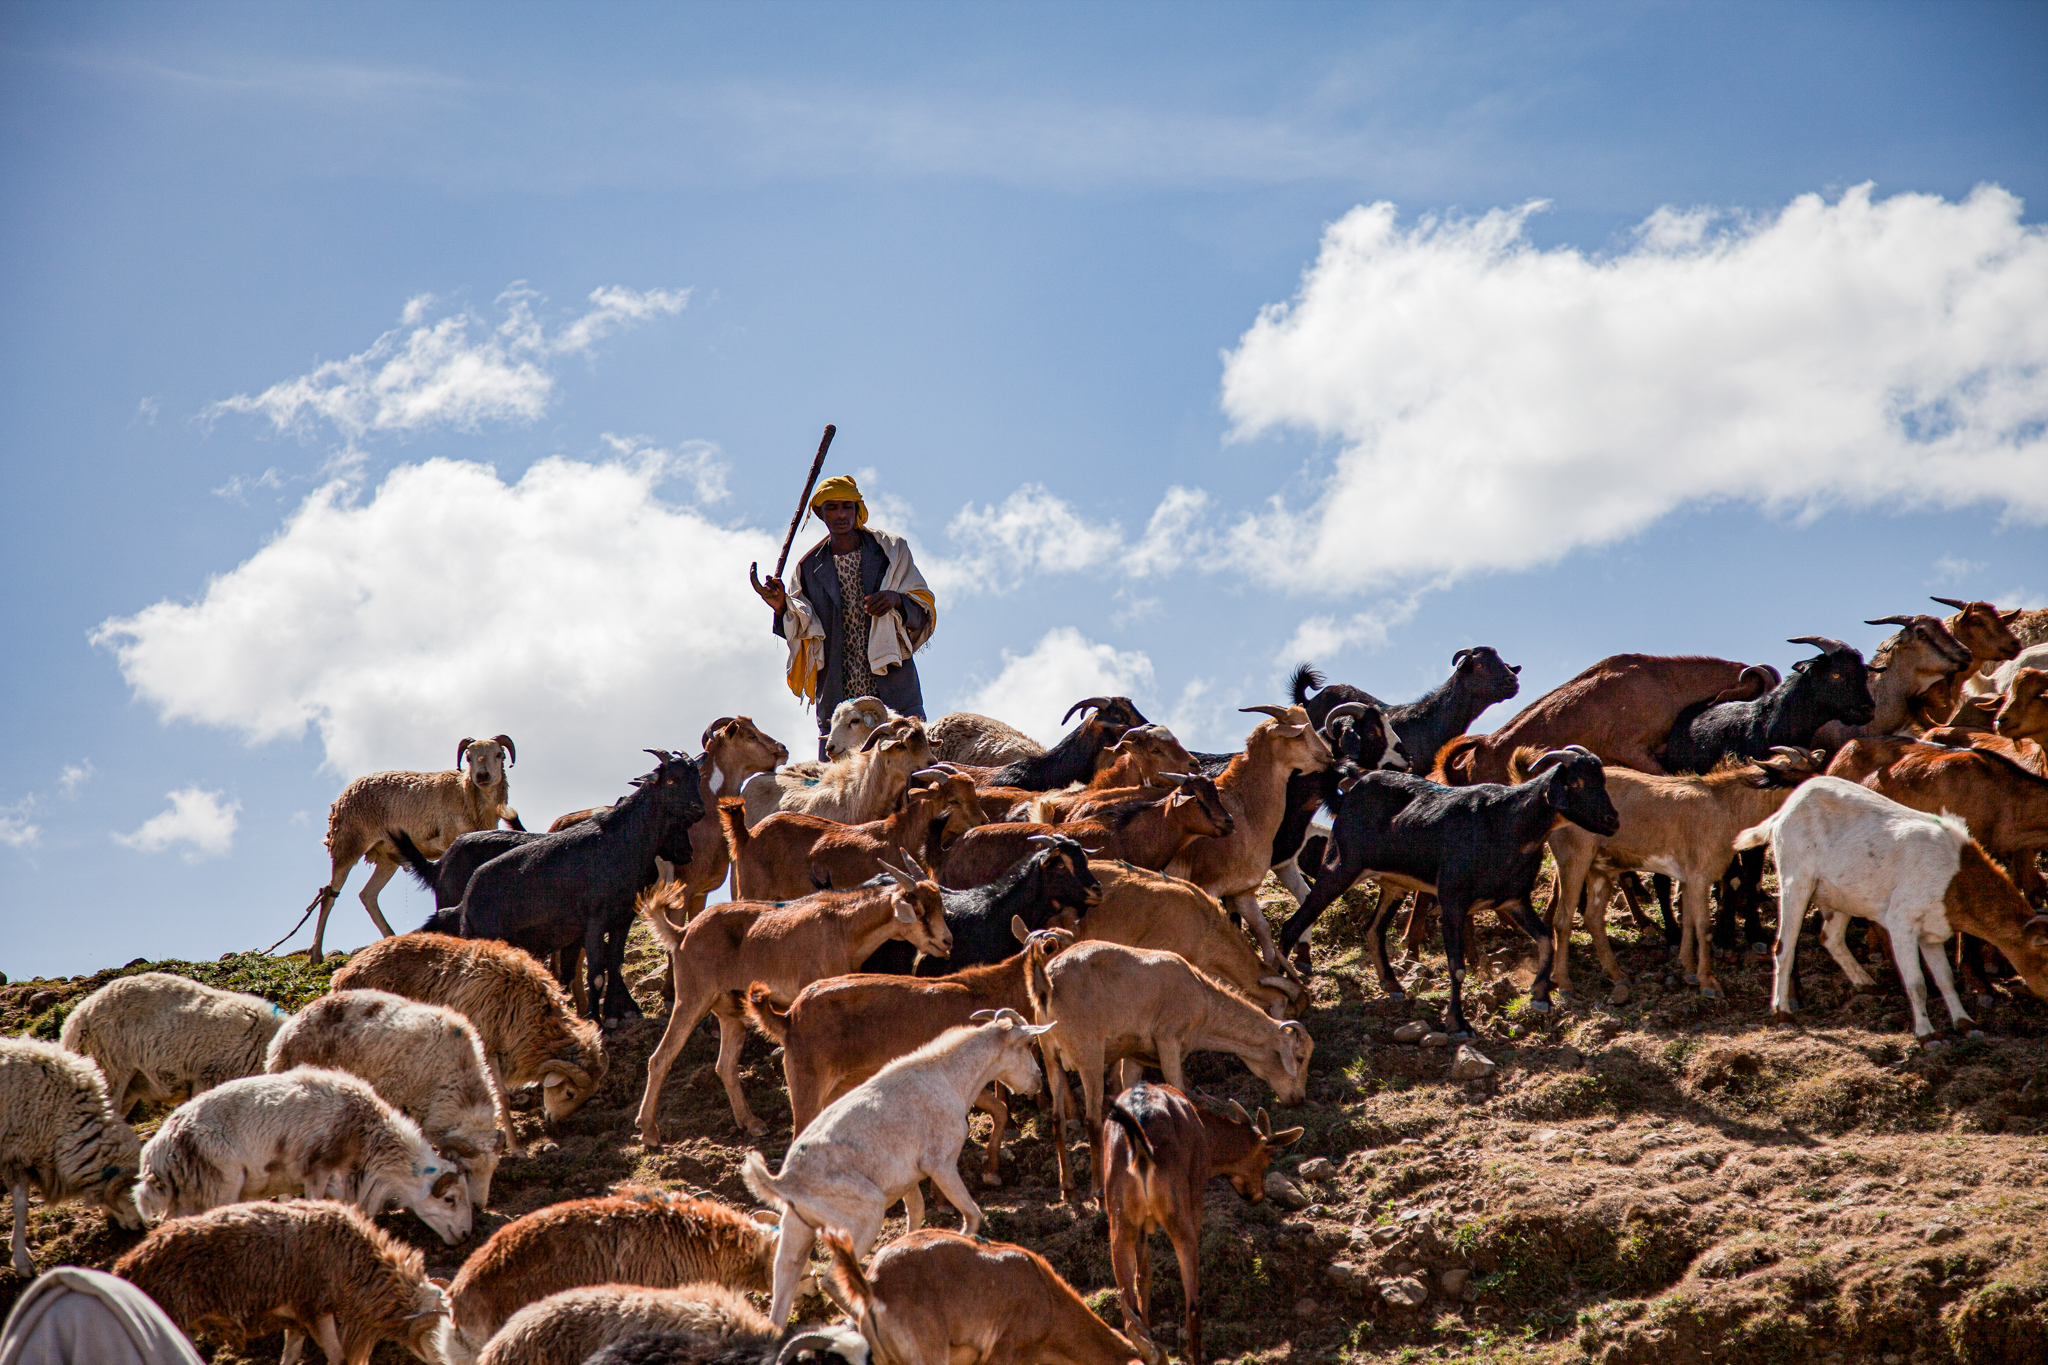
<point>642,1237</point>
<point>698,1324</point>
<point>59,1133</point>
<point>321,1134</point>
<point>426,1061</point>
<point>310,1267</point>
<point>529,1026</point>
<point>432,808</point>
<point>160,1038</point>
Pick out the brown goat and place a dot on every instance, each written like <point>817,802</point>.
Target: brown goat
<point>1990,637</point>
<point>938,1298</point>
<point>840,1031</point>
<point>1620,709</point>
<point>1142,909</point>
<point>2024,712</point>
<point>786,946</point>
<point>530,1029</point>
<point>1137,762</point>
<point>310,1268</point>
<point>1147,830</point>
<point>1159,1152</point>
<point>789,855</point>
<point>637,1236</point>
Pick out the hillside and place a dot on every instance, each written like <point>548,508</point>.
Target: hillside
<point>1669,1181</point>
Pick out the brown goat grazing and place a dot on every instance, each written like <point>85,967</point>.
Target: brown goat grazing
<point>310,1268</point>
<point>938,1298</point>
<point>1107,1003</point>
<point>1683,827</point>
<point>789,855</point>
<point>637,1236</point>
<point>1254,791</point>
<point>1159,1152</point>
<point>1620,709</point>
<point>785,946</point>
<point>530,1029</point>
<point>1142,909</point>
<point>842,1030</point>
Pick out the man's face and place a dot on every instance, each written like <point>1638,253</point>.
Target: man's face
<point>838,516</point>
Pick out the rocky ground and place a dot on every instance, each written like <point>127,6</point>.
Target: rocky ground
<point>1671,1180</point>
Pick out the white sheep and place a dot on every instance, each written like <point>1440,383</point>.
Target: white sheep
<point>59,1133</point>
<point>321,1134</point>
<point>433,809</point>
<point>853,720</point>
<point>160,1038</point>
<point>427,1061</point>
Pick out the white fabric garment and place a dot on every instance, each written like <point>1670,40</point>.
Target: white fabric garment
<point>889,640</point>
<point>75,1316</point>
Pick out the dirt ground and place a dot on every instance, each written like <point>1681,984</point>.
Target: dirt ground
<point>1669,1181</point>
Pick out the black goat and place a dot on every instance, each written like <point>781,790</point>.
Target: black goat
<point>448,876</point>
<point>1360,740</point>
<point>1073,758</point>
<point>576,887</point>
<point>1468,846</point>
<point>1049,879</point>
<point>1479,678</point>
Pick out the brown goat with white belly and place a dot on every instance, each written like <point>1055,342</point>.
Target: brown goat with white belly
<point>1159,1151</point>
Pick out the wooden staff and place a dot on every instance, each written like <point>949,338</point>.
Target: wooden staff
<point>802,505</point>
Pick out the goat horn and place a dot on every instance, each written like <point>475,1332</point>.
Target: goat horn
<point>1826,644</point>
<point>1177,778</point>
<point>910,861</point>
<point>1951,602</point>
<point>462,749</point>
<point>1891,621</point>
<point>1461,656</point>
<point>511,749</point>
<point>1548,761</point>
<point>1236,1111</point>
<point>1265,709</point>
<point>1046,839</point>
<point>876,736</point>
<point>797,1345</point>
<point>1086,703</point>
<point>1281,983</point>
<point>1787,751</point>
<point>903,878</point>
<point>1343,709</point>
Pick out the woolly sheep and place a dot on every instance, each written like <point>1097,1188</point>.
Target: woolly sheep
<point>718,1322</point>
<point>160,1038</point>
<point>59,1133</point>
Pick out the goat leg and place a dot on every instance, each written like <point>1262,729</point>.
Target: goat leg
<point>1455,916</point>
<point>1130,1260</point>
<point>1532,923</point>
<point>1970,953</point>
<point>1245,905</point>
<point>990,1102</point>
<point>732,1036</point>
<point>1416,931</point>
<point>1376,937</point>
<point>24,1264</point>
<point>1185,1232</point>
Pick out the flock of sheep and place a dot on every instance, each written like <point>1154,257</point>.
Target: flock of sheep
<point>944,914</point>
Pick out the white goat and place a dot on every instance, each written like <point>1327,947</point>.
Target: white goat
<point>160,1038</point>
<point>872,1145</point>
<point>59,1133</point>
<point>431,808</point>
<point>426,1061</point>
<point>1845,850</point>
<point>321,1134</point>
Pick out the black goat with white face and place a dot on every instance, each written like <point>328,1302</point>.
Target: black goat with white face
<point>1073,758</point>
<point>1360,741</point>
<point>576,887</point>
<point>1051,878</point>
<point>1468,846</point>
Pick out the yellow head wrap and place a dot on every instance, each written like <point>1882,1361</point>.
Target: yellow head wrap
<point>842,488</point>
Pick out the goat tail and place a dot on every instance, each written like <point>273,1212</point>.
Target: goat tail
<point>1756,836</point>
<point>732,816</point>
<point>416,862</point>
<point>1142,1154</point>
<point>849,1287</point>
<point>653,906</point>
<point>1454,761</point>
<point>1305,681</point>
<point>1521,761</point>
<point>773,1024</point>
<point>761,1181</point>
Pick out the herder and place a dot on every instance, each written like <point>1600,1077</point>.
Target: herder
<point>860,611</point>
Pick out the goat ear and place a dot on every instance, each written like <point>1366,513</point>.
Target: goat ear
<point>1019,929</point>
<point>2011,616</point>
<point>906,912</point>
<point>1285,1137</point>
<point>765,1217</point>
<point>2034,933</point>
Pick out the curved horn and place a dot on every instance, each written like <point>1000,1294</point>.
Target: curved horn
<point>511,749</point>
<point>1087,703</point>
<point>1046,840</point>
<point>1461,656</point>
<point>462,749</point>
<point>1176,778</point>
<point>1951,602</point>
<point>1343,709</point>
<point>1265,709</point>
<point>660,755</point>
<point>876,736</point>
<point>823,1342</point>
<point>1786,751</point>
<point>1548,761</point>
<point>1890,620</point>
<point>1281,983</point>
<point>712,730</point>
<point>1826,644</point>
<point>1236,1111</point>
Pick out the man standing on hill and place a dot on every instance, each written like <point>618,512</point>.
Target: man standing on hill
<point>860,611</point>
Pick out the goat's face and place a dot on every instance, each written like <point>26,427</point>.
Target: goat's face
<point>430,1326</point>
<point>486,760</point>
<point>738,748</point>
<point>1837,681</point>
<point>1293,741</point>
<point>1017,1067</point>
<point>2024,712</point>
<point>921,910</point>
<point>1487,676</point>
<point>1146,751</point>
<point>1578,790</point>
<point>1286,1070</point>
<point>1248,1173</point>
<point>441,1199</point>
<point>853,721</point>
<point>565,1087</point>
<point>1199,807</point>
<point>1067,881</point>
<point>957,804</point>
<point>116,1192</point>
<point>1983,629</point>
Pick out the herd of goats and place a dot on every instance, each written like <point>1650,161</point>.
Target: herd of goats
<point>942,913</point>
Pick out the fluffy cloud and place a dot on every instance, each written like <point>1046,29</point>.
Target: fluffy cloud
<point>196,817</point>
<point>457,371</point>
<point>1033,533</point>
<point>1499,406</point>
<point>1034,690</point>
<point>575,610</point>
<point>16,829</point>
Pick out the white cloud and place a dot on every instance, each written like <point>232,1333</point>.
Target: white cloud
<point>1034,532</point>
<point>1499,406</point>
<point>1034,690</point>
<point>16,829</point>
<point>1953,569</point>
<point>74,776</point>
<point>1320,637</point>
<point>574,610</point>
<point>457,371</point>
<point>196,817</point>
<point>697,461</point>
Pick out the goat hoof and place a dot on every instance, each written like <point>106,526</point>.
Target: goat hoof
<point>756,1128</point>
<point>994,1182</point>
<point>1541,1006</point>
<point>1710,993</point>
<point>1782,1016</point>
<point>650,1138</point>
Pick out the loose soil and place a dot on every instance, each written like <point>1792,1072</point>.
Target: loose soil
<point>1669,1181</point>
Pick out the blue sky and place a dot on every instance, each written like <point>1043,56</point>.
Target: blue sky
<point>381,375</point>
